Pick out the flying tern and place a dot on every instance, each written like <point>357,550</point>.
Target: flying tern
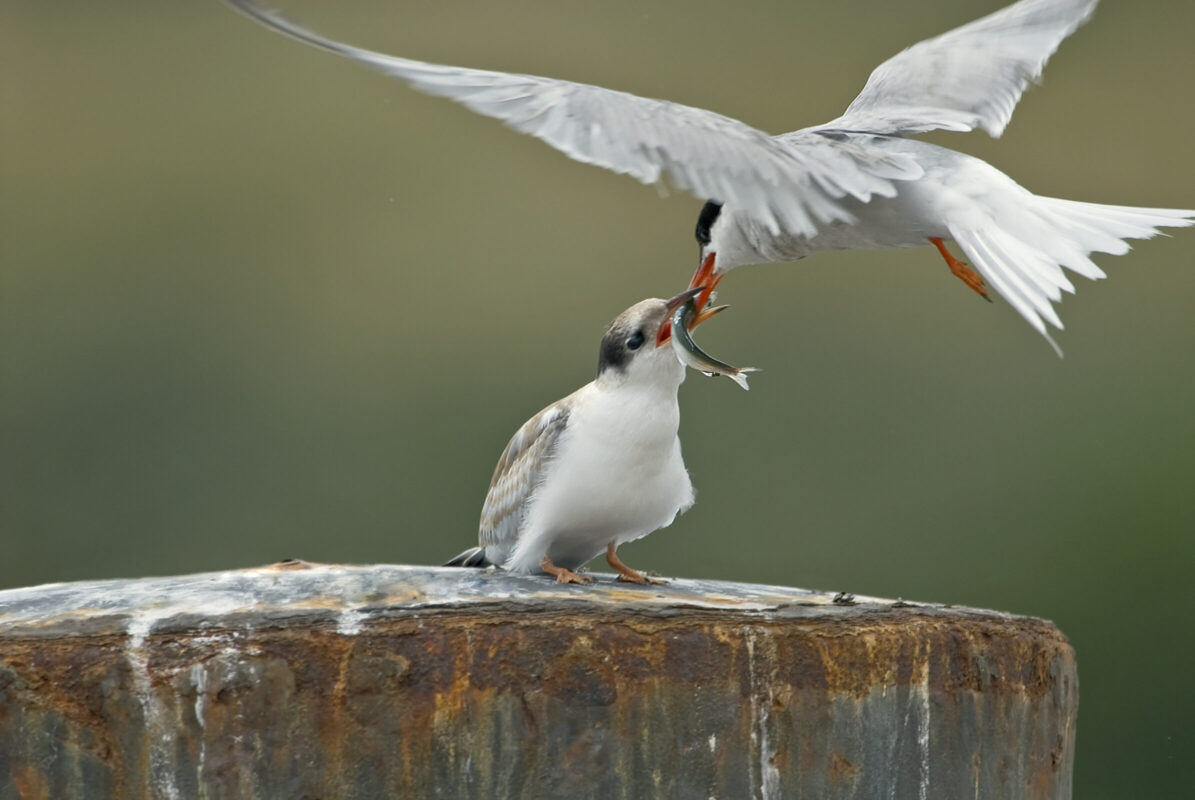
<point>856,182</point>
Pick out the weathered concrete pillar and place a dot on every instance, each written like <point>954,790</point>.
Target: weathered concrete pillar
<point>370,682</point>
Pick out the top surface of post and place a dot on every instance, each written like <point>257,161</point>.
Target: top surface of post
<point>348,594</point>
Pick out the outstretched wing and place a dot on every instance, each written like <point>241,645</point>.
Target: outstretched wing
<point>708,154</point>
<point>971,77</point>
<point>519,472</point>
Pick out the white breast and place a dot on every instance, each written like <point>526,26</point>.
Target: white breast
<point>617,475</point>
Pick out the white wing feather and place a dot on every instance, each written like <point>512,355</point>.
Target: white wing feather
<point>971,77</point>
<point>783,185</point>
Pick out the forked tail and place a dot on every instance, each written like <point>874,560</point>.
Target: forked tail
<point>473,557</point>
<point>1022,254</point>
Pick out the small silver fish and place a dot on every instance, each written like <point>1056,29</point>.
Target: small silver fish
<point>693,356</point>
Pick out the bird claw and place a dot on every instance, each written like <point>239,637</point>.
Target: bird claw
<point>971,278</point>
<point>960,270</point>
<point>563,574</point>
<point>635,576</point>
<point>627,574</point>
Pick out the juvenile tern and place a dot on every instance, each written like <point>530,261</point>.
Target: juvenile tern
<point>855,182</point>
<point>598,468</point>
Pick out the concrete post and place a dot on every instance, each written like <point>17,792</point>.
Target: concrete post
<point>315,681</point>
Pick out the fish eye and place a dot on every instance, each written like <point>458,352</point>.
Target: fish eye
<point>636,340</point>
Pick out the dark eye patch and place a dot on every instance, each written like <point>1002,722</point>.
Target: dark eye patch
<point>636,340</point>
<point>705,221</point>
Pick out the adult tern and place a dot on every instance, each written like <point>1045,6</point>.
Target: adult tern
<point>856,182</point>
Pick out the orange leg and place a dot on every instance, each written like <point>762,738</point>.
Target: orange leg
<point>625,573</point>
<point>961,270</point>
<point>562,574</point>
<point>707,277</point>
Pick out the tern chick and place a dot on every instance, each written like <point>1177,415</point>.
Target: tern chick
<point>598,468</point>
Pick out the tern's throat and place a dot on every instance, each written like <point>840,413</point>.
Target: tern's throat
<point>658,373</point>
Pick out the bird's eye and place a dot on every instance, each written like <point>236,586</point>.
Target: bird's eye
<point>636,341</point>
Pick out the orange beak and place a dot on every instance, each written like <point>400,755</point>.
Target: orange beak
<point>706,276</point>
<point>674,303</point>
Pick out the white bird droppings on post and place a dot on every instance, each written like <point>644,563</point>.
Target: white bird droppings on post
<point>922,693</point>
<point>769,775</point>
<point>199,681</point>
<point>348,622</point>
<point>160,729</point>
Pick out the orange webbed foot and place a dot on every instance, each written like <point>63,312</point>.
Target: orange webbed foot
<point>961,270</point>
<point>625,573</point>
<point>563,574</point>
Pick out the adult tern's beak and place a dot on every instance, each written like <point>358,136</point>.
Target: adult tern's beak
<point>707,277</point>
<point>676,302</point>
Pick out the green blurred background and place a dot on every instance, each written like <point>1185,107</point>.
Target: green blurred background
<point>259,302</point>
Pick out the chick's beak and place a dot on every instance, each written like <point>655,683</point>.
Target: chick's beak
<point>673,303</point>
<point>676,302</point>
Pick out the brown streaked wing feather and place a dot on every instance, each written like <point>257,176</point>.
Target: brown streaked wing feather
<point>519,472</point>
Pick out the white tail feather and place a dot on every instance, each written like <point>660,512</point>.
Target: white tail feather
<point>1022,254</point>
